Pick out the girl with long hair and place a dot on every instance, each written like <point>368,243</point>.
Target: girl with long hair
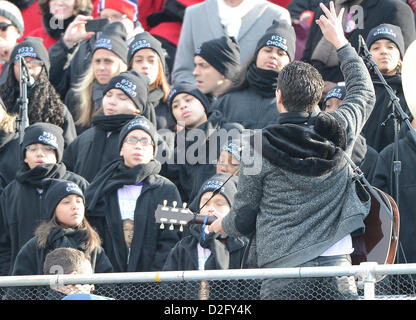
<point>146,56</point>
<point>67,227</point>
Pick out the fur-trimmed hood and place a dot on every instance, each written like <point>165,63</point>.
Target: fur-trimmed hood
<point>305,144</point>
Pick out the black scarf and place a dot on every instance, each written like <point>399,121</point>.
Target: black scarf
<point>264,82</point>
<point>103,124</point>
<point>116,175</point>
<point>220,257</point>
<point>37,174</point>
<point>67,237</point>
<point>155,97</point>
<point>58,30</point>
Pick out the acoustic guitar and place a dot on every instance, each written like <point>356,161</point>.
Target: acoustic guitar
<point>381,237</point>
<point>378,243</point>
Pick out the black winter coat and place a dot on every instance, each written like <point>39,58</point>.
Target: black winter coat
<point>95,147</point>
<point>379,130</point>
<point>9,157</point>
<point>30,259</point>
<point>21,211</point>
<point>384,179</point>
<point>226,253</point>
<point>189,174</point>
<point>150,245</point>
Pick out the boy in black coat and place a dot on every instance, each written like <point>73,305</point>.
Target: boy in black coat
<point>197,143</point>
<point>122,200</point>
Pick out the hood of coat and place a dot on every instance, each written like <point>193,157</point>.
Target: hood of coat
<point>309,146</point>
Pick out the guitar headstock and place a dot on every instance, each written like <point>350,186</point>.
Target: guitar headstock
<point>174,215</point>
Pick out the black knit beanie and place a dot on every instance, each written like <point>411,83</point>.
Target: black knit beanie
<point>228,190</point>
<point>389,32</point>
<point>138,123</point>
<point>145,40</point>
<point>223,54</point>
<point>133,84</point>
<point>57,189</point>
<point>189,89</point>
<point>44,133</point>
<point>338,92</point>
<point>113,38</point>
<point>32,47</point>
<point>279,34</point>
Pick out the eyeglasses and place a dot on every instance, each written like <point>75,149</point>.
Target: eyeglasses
<point>34,63</point>
<point>4,26</point>
<point>43,148</point>
<point>133,141</point>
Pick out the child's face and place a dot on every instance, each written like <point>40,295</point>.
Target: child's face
<point>188,110</point>
<point>386,55</point>
<point>70,211</point>
<point>217,206</point>
<point>227,163</point>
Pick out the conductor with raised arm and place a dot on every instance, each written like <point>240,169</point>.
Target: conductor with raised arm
<point>303,206</point>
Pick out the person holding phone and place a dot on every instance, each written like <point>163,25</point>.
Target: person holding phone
<point>108,59</point>
<point>71,55</point>
<point>56,17</point>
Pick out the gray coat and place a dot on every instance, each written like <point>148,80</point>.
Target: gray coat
<point>297,217</point>
<point>201,23</point>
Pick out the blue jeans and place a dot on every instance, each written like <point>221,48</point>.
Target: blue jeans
<point>331,288</point>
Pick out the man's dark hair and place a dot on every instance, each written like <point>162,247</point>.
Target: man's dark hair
<point>64,260</point>
<point>301,86</point>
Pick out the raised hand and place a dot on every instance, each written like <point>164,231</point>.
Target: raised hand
<point>76,32</point>
<point>331,25</point>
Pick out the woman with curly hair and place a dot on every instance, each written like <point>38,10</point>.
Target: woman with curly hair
<point>44,104</point>
<point>56,16</point>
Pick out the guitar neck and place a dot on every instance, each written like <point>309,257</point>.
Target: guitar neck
<point>180,216</point>
<point>200,218</point>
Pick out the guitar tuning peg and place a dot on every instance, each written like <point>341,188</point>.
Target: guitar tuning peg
<point>165,202</point>
<point>174,204</point>
<point>162,226</point>
<point>181,228</point>
<point>171,227</point>
<point>184,205</point>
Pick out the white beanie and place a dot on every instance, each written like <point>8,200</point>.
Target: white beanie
<point>12,12</point>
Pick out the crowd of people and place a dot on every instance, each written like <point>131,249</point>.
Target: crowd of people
<point>238,109</point>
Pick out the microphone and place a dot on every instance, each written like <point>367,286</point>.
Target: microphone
<point>364,53</point>
<point>30,79</point>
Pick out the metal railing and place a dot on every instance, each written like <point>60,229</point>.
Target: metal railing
<point>373,281</point>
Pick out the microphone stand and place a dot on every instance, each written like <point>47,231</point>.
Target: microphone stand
<point>398,114</point>
<point>23,119</point>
